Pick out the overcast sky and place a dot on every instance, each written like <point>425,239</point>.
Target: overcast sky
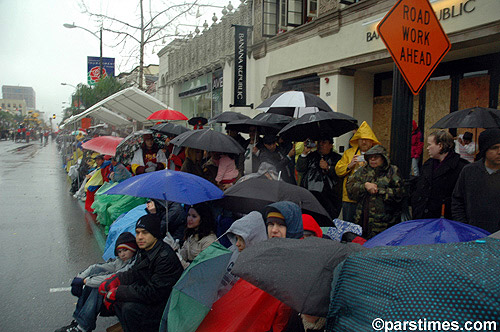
<point>37,51</point>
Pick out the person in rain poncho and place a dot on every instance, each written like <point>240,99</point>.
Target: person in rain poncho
<point>96,179</point>
<point>243,233</point>
<point>378,189</point>
<point>352,159</point>
<point>118,172</point>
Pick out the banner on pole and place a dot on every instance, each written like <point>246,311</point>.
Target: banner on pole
<point>240,65</point>
<point>108,69</point>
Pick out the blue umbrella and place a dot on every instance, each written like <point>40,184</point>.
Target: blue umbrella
<point>169,185</point>
<point>426,231</point>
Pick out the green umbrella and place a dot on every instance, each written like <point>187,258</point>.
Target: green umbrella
<point>196,291</point>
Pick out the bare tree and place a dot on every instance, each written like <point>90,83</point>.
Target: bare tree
<point>158,25</point>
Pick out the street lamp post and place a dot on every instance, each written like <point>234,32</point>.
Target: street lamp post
<point>77,96</point>
<point>72,26</point>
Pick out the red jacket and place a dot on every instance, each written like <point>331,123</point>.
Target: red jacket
<point>417,146</point>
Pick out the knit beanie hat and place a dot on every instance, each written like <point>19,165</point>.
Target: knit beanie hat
<point>151,223</point>
<point>125,241</point>
<point>276,217</point>
<point>487,139</point>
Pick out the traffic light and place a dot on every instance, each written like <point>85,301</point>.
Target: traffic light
<point>53,116</point>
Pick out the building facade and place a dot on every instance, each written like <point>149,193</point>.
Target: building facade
<point>25,93</point>
<point>14,106</point>
<point>331,48</point>
<point>150,76</point>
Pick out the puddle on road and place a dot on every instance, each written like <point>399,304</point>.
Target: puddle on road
<point>21,154</point>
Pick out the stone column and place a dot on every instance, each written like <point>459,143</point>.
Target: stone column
<point>337,89</point>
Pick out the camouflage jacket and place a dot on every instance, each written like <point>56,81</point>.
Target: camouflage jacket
<point>377,212</point>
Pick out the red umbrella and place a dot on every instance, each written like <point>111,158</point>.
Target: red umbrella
<point>103,144</point>
<point>167,114</point>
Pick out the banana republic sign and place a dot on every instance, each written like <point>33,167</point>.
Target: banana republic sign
<point>240,66</point>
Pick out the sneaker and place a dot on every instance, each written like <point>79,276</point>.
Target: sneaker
<point>68,327</point>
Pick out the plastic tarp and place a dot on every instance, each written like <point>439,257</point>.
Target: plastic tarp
<point>130,103</point>
<point>109,207</point>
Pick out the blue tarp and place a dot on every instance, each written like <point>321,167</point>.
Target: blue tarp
<point>125,223</point>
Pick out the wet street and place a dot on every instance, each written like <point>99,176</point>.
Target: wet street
<point>45,240</point>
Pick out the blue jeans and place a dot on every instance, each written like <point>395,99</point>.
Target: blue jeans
<point>348,211</point>
<point>88,308</point>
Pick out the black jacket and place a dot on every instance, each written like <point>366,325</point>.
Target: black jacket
<point>435,187</point>
<point>325,185</point>
<point>283,163</point>
<point>176,219</point>
<point>151,279</point>
<point>476,198</point>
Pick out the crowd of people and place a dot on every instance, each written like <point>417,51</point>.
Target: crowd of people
<point>360,186</point>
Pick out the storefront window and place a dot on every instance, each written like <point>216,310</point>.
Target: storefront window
<point>197,106</point>
<point>196,97</point>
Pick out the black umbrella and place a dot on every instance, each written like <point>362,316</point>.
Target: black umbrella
<point>197,120</point>
<point>227,116</point>
<point>318,125</point>
<point>475,117</point>
<point>254,194</point>
<point>294,103</point>
<point>299,273</point>
<point>209,140</point>
<point>169,129</point>
<point>266,123</point>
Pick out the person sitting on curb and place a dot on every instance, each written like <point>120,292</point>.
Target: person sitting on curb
<point>149,157</point>
<point>243,233</point>
<point>139,295</point>
<point>85,285</point>
<point>284,220</point>
<point>199,233</point>
<point>96,179</point>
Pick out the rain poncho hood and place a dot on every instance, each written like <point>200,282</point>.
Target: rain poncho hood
<point>311,225</point>
<point>364,131</point>
<point>379,149</point>
<point>293,217</point>
<point>251,228</point>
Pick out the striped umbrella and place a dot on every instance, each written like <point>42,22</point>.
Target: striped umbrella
<point>294,103</point>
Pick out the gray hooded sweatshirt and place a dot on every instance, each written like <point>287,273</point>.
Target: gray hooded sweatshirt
<point>253,230</point>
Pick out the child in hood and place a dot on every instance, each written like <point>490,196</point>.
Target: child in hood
<point>243,233</point>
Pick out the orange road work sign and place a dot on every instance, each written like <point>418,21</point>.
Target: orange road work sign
<point>414,37</point>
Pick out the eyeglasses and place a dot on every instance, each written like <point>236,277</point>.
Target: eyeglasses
<point>373,156</point>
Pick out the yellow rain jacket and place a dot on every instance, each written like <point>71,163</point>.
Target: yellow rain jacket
<point>364,131</point>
